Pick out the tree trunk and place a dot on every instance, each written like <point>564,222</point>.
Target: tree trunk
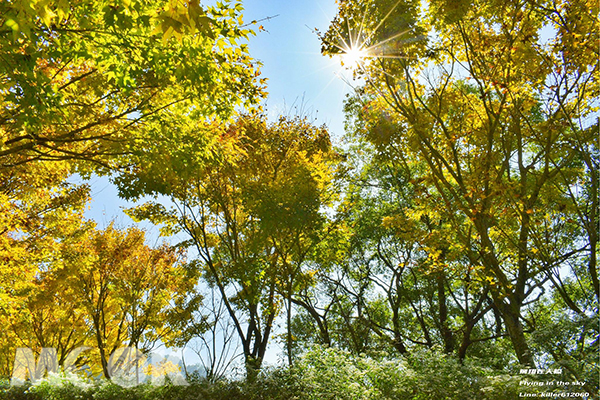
<point>447,335</point>
<point>511,315</point>
<point>466,342</point>
<point>252,368</point>
<point>289,341</point>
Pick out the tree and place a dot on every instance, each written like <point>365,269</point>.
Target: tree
<point>92,81</point>
<point>132,295</point>
<point>253,211</point>
<point>38,210</point>
<point>85,79</point>
<point>497,113</point>
<point>101,289</point>
<point>408,280</point>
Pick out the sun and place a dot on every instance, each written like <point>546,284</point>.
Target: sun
<point>352,58</point>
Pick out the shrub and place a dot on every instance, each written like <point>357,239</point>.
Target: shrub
<point>321,373</point>
<point>329,373</point>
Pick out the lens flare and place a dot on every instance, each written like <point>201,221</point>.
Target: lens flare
<point>353,57</point>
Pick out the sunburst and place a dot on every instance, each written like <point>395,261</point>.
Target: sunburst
<point>354,56</point>
<point>357,49</point>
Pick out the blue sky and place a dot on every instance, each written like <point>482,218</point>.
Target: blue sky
<point>290,51</point>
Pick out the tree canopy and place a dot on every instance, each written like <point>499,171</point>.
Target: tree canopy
<point>68,93</point>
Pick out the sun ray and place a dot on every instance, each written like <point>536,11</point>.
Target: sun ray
<point>382,21</point>
<point>328,84</point>
<point>344,46</point>
<point>355,47</point>
<point>379,44</point>
<point>350,35</point>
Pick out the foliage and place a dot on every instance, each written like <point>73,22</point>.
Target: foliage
<point>133,294</point>
<point>38,211</point>
<point>67,94</point>
<point>461,243</point>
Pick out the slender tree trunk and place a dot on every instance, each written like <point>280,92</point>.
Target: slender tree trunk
<point>398,342</point>
<point>289,328</point>
<point>102,350</point>
<point>446,332</point>
<point>592,229</point>
<point>466,342</point>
